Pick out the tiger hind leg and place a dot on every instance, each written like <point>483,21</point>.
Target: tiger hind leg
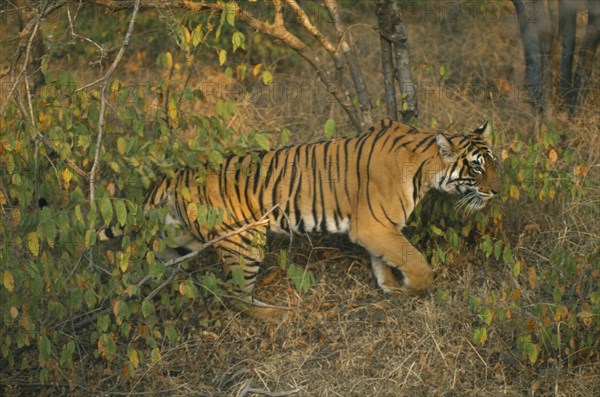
<point>242,255</point>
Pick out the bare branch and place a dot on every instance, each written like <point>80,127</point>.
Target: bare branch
<point>276,30</point>
<point>364,99</point>
<point>312,29</point>
<point>25,41</point>
<point>101,118</point>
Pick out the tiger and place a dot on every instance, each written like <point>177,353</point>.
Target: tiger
<point>364,186</point>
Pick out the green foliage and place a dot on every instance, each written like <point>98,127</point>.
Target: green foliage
<point>54,271</point>
<point>567,319</point>
<point>302,278</point>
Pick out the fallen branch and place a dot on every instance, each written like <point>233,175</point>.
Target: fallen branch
<point>248,390</point>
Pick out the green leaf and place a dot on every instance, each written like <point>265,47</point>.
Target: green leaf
<point>263,141</point>
<point>90,298</point>
<point>215,157</point>
<point>147,308</point>
<point>329,128</point>
<point>121,212</point>
<point>103,322</point>
<point>507,254</point>
<point>516,270</point>
<point>212,217</point>
<point>237,276</point>
<point>202,214</point>
<point>238,40</point>
<point>531,350</point>
<point>66,354</point>
<point>45,346</point>
<point>229,11</point>
<point>197,36</point>
<point>172,333</point>
<point>284,137</point>
<point>497,249</point>
<point>437,231</point>
<point>480,336</point>
<point>106,210</point>
<point>267,77</point>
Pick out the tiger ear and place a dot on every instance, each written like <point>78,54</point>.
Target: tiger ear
<point>485,132</point>
<point>446,149</point>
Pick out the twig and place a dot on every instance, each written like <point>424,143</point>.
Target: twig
<point>344,41</point>
<point>312,29</point>
<point>177,261</point>
<point>276,30</point>
<point>101,118</point>
<point>247,390</point>
<point>33,24</point>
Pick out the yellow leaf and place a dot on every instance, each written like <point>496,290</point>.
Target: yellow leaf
<point>552,156</point>
<point>581,170</point>
<point>67,175</point>
<point>514,192</point>
<point>9,281</point>
<point>172,113</point>
<point>188,36</point>
<point>531,276</point>
<point>116,307</point>
<point>14,312</point>
<point>33,243</point>
<point>134,357</point>
<point>101,347</point>
<point>169,59</point>
<point>121,145</point>
<point>192,212</point>
<point>504,154</point>
<point>256,69</point>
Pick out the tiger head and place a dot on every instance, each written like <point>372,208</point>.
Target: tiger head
<point>469,167</point>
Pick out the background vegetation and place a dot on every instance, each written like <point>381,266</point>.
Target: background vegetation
<point>515,308</point>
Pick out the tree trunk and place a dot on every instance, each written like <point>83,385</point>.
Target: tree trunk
<point>587,52</point>
<point>393,29</point>
<point>566,30</point>
<point>529,17</point>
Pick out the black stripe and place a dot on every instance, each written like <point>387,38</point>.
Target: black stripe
<point>367,193</point>
<point>403,210</point>
<point>387,216</point>
<point>417,182</point>
<point>428,145</point>
<point>297,213</point>
<point>315,172</point>
<point>418,145</point>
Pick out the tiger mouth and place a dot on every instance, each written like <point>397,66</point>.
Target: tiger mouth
<point>472,201</point>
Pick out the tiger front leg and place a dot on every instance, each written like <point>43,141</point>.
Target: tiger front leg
<point>390,249</point>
